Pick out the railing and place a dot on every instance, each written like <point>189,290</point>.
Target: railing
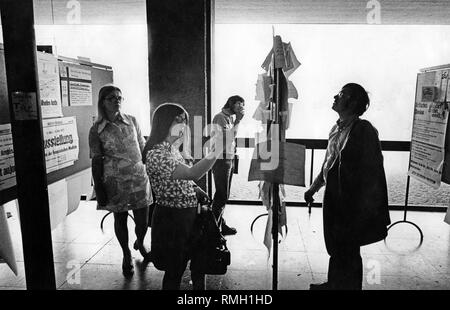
<point>321,144</point>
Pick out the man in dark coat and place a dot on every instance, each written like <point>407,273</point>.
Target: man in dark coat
<point>355,204</point>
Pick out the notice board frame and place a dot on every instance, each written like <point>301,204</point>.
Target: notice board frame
<point>85,116</point>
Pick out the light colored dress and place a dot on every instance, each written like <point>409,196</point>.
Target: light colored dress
<point>125,178</point>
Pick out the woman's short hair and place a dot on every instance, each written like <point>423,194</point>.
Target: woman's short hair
<point>360,96</point>
<point>102,94</point>
<point>232,100</point>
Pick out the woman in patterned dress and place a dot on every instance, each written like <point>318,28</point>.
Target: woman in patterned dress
<point>172,179</point>
<point>120,178</point>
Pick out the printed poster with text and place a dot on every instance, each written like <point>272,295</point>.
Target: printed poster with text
<point>60,142</point>
<point>49,86</point>
<point>80,87</point>
<point>429,127</point>
<point>76,85</point>
<point>7,166</point>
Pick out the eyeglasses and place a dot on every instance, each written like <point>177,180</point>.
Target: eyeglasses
<point>341,94</point>
<point>118,98</point>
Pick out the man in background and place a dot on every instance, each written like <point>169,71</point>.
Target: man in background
<point>228,120</point>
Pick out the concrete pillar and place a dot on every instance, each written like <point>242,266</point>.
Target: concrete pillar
<point>26,123</point>
<point>180,36</point>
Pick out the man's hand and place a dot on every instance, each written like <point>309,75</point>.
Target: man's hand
<point>309,196</point>
<point>240,114</point>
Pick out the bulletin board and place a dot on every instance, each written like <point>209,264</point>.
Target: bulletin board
<point>79,95</point>
<point>430,141</point>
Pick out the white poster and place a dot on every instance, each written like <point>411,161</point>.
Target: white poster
<point>6,245</point>
<point>7,166</point>
<point>447,216</point>
<point>58,202</point>
<point>429,127</point>
<point>25,106</point>
<point>80,87</point>
<point>60,142</point>
<point>64,84</point>
<point>80,93</point>
<point>65,93</point>
<point>49,87</point>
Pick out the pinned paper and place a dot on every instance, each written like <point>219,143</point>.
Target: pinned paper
<point>282,163</point>
<point>263,90</point>
<point>284,58</point>
<point>279,53</point>
<point>286,117</point>
<point>292,62</point>
<point>265,193</point>
<point>58,202</point>
<point>292,91</point>
<point>6,247</point>
<point>447,216</point>
<point>262,113</point>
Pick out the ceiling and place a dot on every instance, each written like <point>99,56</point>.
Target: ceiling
<point>255,11</point>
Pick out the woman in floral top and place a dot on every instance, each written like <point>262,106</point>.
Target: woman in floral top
<point>172,179</point>
<point>120,178</point>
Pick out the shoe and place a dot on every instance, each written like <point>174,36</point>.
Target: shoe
<point>320,287</point>
<point>127,267</point>
<point>227,230</point>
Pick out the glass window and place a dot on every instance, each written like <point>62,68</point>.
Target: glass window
<point>385,59</point>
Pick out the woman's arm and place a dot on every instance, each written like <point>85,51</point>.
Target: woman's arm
<point>140,138</point>
<point>195,172</point>
<point>198,170</point>
<point>97,175</point>
<point>95,146</point>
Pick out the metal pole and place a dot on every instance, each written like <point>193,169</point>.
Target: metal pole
<point>406,198</point>
<point>26,124</point>
<point>276,190</point>
<point>311,177</point>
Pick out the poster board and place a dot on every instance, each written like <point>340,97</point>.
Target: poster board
<point>84,114</point>
<point>430,126</point>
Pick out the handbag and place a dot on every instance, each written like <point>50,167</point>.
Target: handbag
<point>210,254</point>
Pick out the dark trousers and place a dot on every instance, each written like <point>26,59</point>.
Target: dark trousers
<point>173,276</point>
<point>171,245</point>
<point>345,271</point>
<point>345,268</point>
<point>223,173</point>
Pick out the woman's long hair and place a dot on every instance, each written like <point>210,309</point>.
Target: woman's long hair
<point>162,119</point>
<point>102,94</point>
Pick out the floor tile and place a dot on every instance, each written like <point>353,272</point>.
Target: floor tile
<point>88,258</point>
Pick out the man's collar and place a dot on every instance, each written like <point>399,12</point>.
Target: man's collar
<point>225,111</point>
<point>344,124</point>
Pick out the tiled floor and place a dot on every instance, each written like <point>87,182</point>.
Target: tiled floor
<point>87,258</point>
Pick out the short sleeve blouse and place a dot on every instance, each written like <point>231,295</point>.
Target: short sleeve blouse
<point>161,162</point>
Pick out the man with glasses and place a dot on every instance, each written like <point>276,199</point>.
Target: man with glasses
<point>355,204</point>
<point>228,120</point>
